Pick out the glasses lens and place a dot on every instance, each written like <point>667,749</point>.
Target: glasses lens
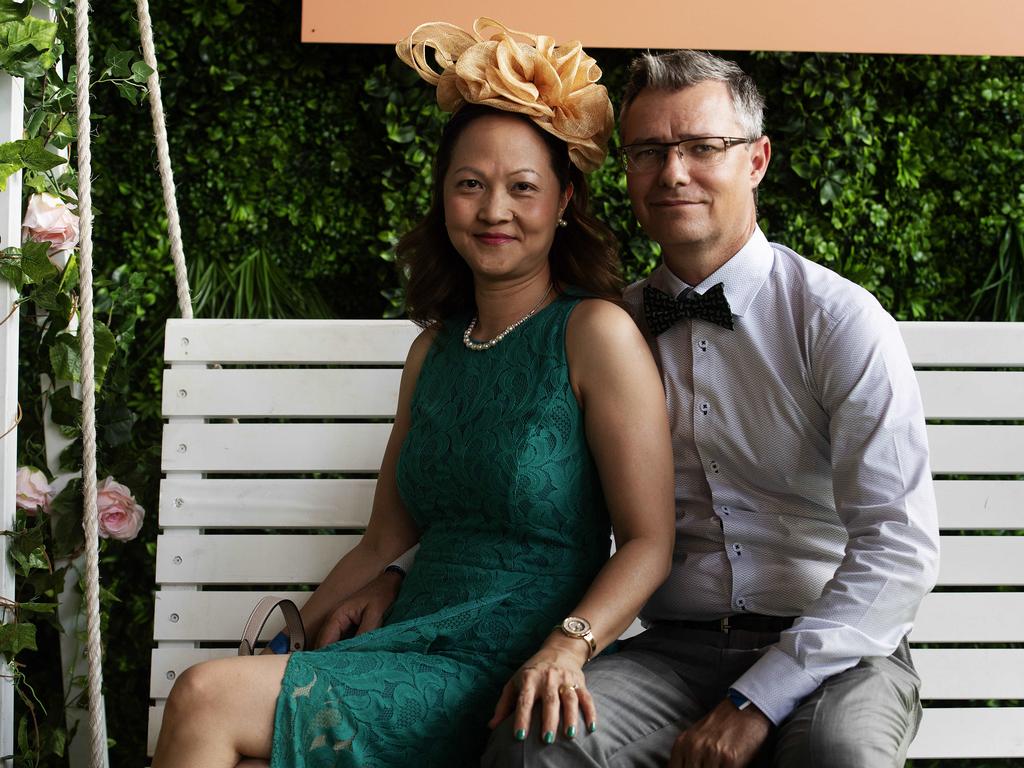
<point>707,151</point>
<point>644,157</point>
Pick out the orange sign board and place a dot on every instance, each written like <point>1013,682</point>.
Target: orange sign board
<point>977,27</point>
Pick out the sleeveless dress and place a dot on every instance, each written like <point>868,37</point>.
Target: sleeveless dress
<point>497,474</point>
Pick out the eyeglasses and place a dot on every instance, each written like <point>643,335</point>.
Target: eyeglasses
<point>702,151</point>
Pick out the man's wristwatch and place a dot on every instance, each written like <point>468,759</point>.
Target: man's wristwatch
<point>740,701</point>
<point>579,628</point>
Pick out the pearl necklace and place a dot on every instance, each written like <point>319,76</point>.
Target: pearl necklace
<point>485,345</point>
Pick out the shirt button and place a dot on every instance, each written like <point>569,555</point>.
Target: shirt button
<point>714,467</point>
<point>704,408</point>
<point>738,549</point>
<point>741,603</point>
<point>725,511</point>
<point>703,344</point>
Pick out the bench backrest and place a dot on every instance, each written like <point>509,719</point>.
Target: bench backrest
<point>270,458</point>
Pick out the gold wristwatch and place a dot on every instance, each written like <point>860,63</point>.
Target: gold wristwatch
<point>579,628</point>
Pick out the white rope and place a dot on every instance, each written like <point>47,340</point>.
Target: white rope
<point>85,332</point>
<point>156,108</point>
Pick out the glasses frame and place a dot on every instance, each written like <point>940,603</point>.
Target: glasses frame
<point>729,141</point>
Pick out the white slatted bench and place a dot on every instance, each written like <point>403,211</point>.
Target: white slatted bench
<point>269,466</point>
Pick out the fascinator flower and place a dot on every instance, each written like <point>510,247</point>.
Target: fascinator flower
<point>554,85</point>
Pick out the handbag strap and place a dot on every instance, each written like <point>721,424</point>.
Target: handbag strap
<point>258,618</point>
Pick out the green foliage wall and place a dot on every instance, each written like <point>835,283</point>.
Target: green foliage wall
<point>299,166</point>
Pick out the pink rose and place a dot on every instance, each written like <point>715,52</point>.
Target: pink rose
<point>49,220</point>
<point>119,516</point>
<point>32,490</point>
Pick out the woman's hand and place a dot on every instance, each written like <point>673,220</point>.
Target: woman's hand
<point>553,678</point>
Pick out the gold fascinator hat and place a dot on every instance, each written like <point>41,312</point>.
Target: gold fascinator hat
<point>554,85</point>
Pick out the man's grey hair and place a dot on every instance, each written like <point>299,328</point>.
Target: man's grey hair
<point>681,69</point>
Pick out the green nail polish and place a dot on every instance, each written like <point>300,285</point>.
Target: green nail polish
<point>549,737</point>
<point>591,727</point>
<point>521,734</point>
<point>571,731</point>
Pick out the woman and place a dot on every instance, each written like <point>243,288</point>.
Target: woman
<point>528,415</point>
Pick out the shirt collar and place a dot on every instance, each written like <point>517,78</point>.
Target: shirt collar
<point>743,274</point>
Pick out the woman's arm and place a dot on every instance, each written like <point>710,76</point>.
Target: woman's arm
<point>391,530</point>
<point>619,389</point>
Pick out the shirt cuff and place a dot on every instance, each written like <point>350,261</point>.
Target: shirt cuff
<point>776,684</point>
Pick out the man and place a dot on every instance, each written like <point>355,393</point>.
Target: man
<point>806,529</point>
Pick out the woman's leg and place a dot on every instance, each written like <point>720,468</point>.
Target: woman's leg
<point>219,711</point>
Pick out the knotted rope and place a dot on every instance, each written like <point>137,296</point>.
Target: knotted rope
<point>163,153</point>
<point>86,330</point>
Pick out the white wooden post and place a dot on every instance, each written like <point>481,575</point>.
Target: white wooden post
<point>12,111</point>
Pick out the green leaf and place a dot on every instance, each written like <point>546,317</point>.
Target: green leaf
<point>37,607</point>
<point>66,511</point>
<point>65,358</point>
<point>17,637</point>
<point>35,263</point>
<point>10,268</point>
<point>37,157</point>
<point>117,421</point>
<point>25,153</point>
<point>11,11</point>
<point>65,408</point>
<point>118,62</point>
<point>141,71</point>
<point>129,91</point>
<point>104,351</point>
<point>27,46</point>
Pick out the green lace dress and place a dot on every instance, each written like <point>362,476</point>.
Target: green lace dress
<point>498,476</point>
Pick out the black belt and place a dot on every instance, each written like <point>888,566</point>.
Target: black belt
<point>748,622</point>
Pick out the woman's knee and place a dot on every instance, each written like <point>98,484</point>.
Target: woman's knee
<point>194,690</point>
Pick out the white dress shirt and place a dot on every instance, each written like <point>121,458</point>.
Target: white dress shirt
<point>802,478</point>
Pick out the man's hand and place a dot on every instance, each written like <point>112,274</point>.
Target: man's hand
<point>724,738</point>
<point>361,611</point>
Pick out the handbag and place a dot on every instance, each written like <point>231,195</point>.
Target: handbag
<point>258,618</point>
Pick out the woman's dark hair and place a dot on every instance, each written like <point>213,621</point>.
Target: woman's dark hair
<point>439,284</point>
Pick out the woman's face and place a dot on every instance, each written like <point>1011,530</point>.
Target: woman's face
<point>502,199</point>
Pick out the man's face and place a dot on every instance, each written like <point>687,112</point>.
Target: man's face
<point>692,210</point>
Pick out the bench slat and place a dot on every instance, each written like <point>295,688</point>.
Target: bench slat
<point>963,732</point>
<point>935,344</point>
<point>274,447</point>
<point>287,392</point>
<point>980,504</point>
<point>997,395</point>
<point>248,558</point>
<point>331,503</point>
<point>951,345</point>
<point>970,617</point>
<point>373,392</point>
<point>305,559</point>
<point>981,560</point>
<point>970,673</point>
<point>250,503</point>
<point>945,733</point>
<point>949,674</point>
<point>377,342</point>
<point>215,617</point>
<point>960,449</point>
<point>944,617</point>
<point>976,449</point>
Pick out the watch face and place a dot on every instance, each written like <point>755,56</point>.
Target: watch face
<point>575,625</point>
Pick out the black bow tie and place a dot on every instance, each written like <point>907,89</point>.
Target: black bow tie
<point>661,310</point>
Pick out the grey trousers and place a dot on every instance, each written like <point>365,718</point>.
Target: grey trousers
<point>668,678</point>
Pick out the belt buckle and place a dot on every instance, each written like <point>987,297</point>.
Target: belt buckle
<point>723,625</point>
